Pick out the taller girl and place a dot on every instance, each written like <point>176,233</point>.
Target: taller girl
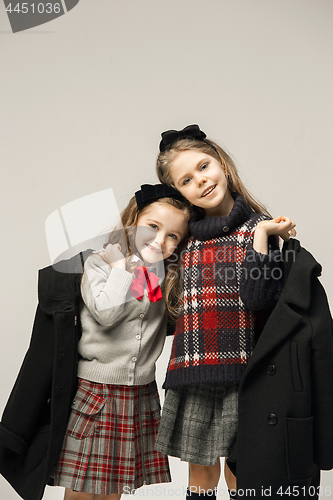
<point>230,270</point>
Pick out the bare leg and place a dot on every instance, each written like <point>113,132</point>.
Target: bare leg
<point>114,496</point>
<point>76,495</point>
<point>230,479</point>
<point>203,477</point>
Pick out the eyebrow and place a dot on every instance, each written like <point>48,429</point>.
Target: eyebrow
<point>158,222</point>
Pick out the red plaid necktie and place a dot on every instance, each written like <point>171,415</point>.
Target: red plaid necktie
<point>144,278</point>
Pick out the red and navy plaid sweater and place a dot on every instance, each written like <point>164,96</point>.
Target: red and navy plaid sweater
<point>223,279</point>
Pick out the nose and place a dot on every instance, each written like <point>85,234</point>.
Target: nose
<point>201,180</point>
<point>160,239</point>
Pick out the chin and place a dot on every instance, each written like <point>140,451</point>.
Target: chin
<point>149,258</point>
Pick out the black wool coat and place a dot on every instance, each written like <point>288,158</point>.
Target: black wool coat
<point>285,427</point>
<point>35,418</point>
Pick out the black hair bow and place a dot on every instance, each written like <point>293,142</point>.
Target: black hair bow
<point>150,192</point>
<point>171,136</point>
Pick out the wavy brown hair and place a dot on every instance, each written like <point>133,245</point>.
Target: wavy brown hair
<point>124,234</point>
<point>210,148</point>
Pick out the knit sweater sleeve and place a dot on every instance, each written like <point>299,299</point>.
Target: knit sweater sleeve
<point>104,290</point>
<point>261,279</point>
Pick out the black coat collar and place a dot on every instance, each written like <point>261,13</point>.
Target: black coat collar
<point>299,268</point>
<point>293,303</point>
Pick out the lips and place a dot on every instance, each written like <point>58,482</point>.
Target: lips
<point>208,190</point>
<point>153,249</point>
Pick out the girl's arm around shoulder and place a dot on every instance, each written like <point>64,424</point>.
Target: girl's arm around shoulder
<point>261,281</point>
<point>104,289</point>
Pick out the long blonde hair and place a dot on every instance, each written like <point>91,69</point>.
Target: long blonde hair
<point>209,147</point>
<point>124,235</point>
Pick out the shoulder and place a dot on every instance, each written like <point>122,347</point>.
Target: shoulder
<point>95,261</point>
<point>95,270</point>
<point>254,220</point>
<point>255,217</point>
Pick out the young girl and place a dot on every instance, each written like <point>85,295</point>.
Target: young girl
<point>108,448</point>
<point>231,269</point>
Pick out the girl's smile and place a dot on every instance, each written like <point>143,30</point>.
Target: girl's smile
<point>153,249</point>
<point>208,191</point>
<point>200,178</point>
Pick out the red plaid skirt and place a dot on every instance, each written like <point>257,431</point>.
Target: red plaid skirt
<point>110,438</point>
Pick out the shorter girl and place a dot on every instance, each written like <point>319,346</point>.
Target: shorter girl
<point>230,272</point>
<point>108,448</point>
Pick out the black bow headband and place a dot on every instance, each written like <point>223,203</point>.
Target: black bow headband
<point>149,193</point>
<point>171,136</point>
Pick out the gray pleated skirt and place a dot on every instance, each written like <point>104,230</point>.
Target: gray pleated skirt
<point>199,422</point>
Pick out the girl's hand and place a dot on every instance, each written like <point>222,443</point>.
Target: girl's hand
<point>113,256</point>
<point>285,227</point>
<point>280,226</point>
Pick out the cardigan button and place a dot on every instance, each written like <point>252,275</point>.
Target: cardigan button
<point>271,370</point>
<point>225,229</point>
<point>272,419</point>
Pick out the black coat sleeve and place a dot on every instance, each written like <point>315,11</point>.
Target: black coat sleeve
<point>322,377</point>
<point>27,404</point>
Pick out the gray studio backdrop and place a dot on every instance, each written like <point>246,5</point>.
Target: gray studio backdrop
<point>85,97</point>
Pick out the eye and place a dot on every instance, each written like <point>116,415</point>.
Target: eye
<point>186,181</point>
<point>204,166</point>
<point>153,226</point>
<point>174,236</point>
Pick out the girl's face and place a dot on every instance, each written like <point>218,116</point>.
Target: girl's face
<point>201,179</point>
<point>160,228</point>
